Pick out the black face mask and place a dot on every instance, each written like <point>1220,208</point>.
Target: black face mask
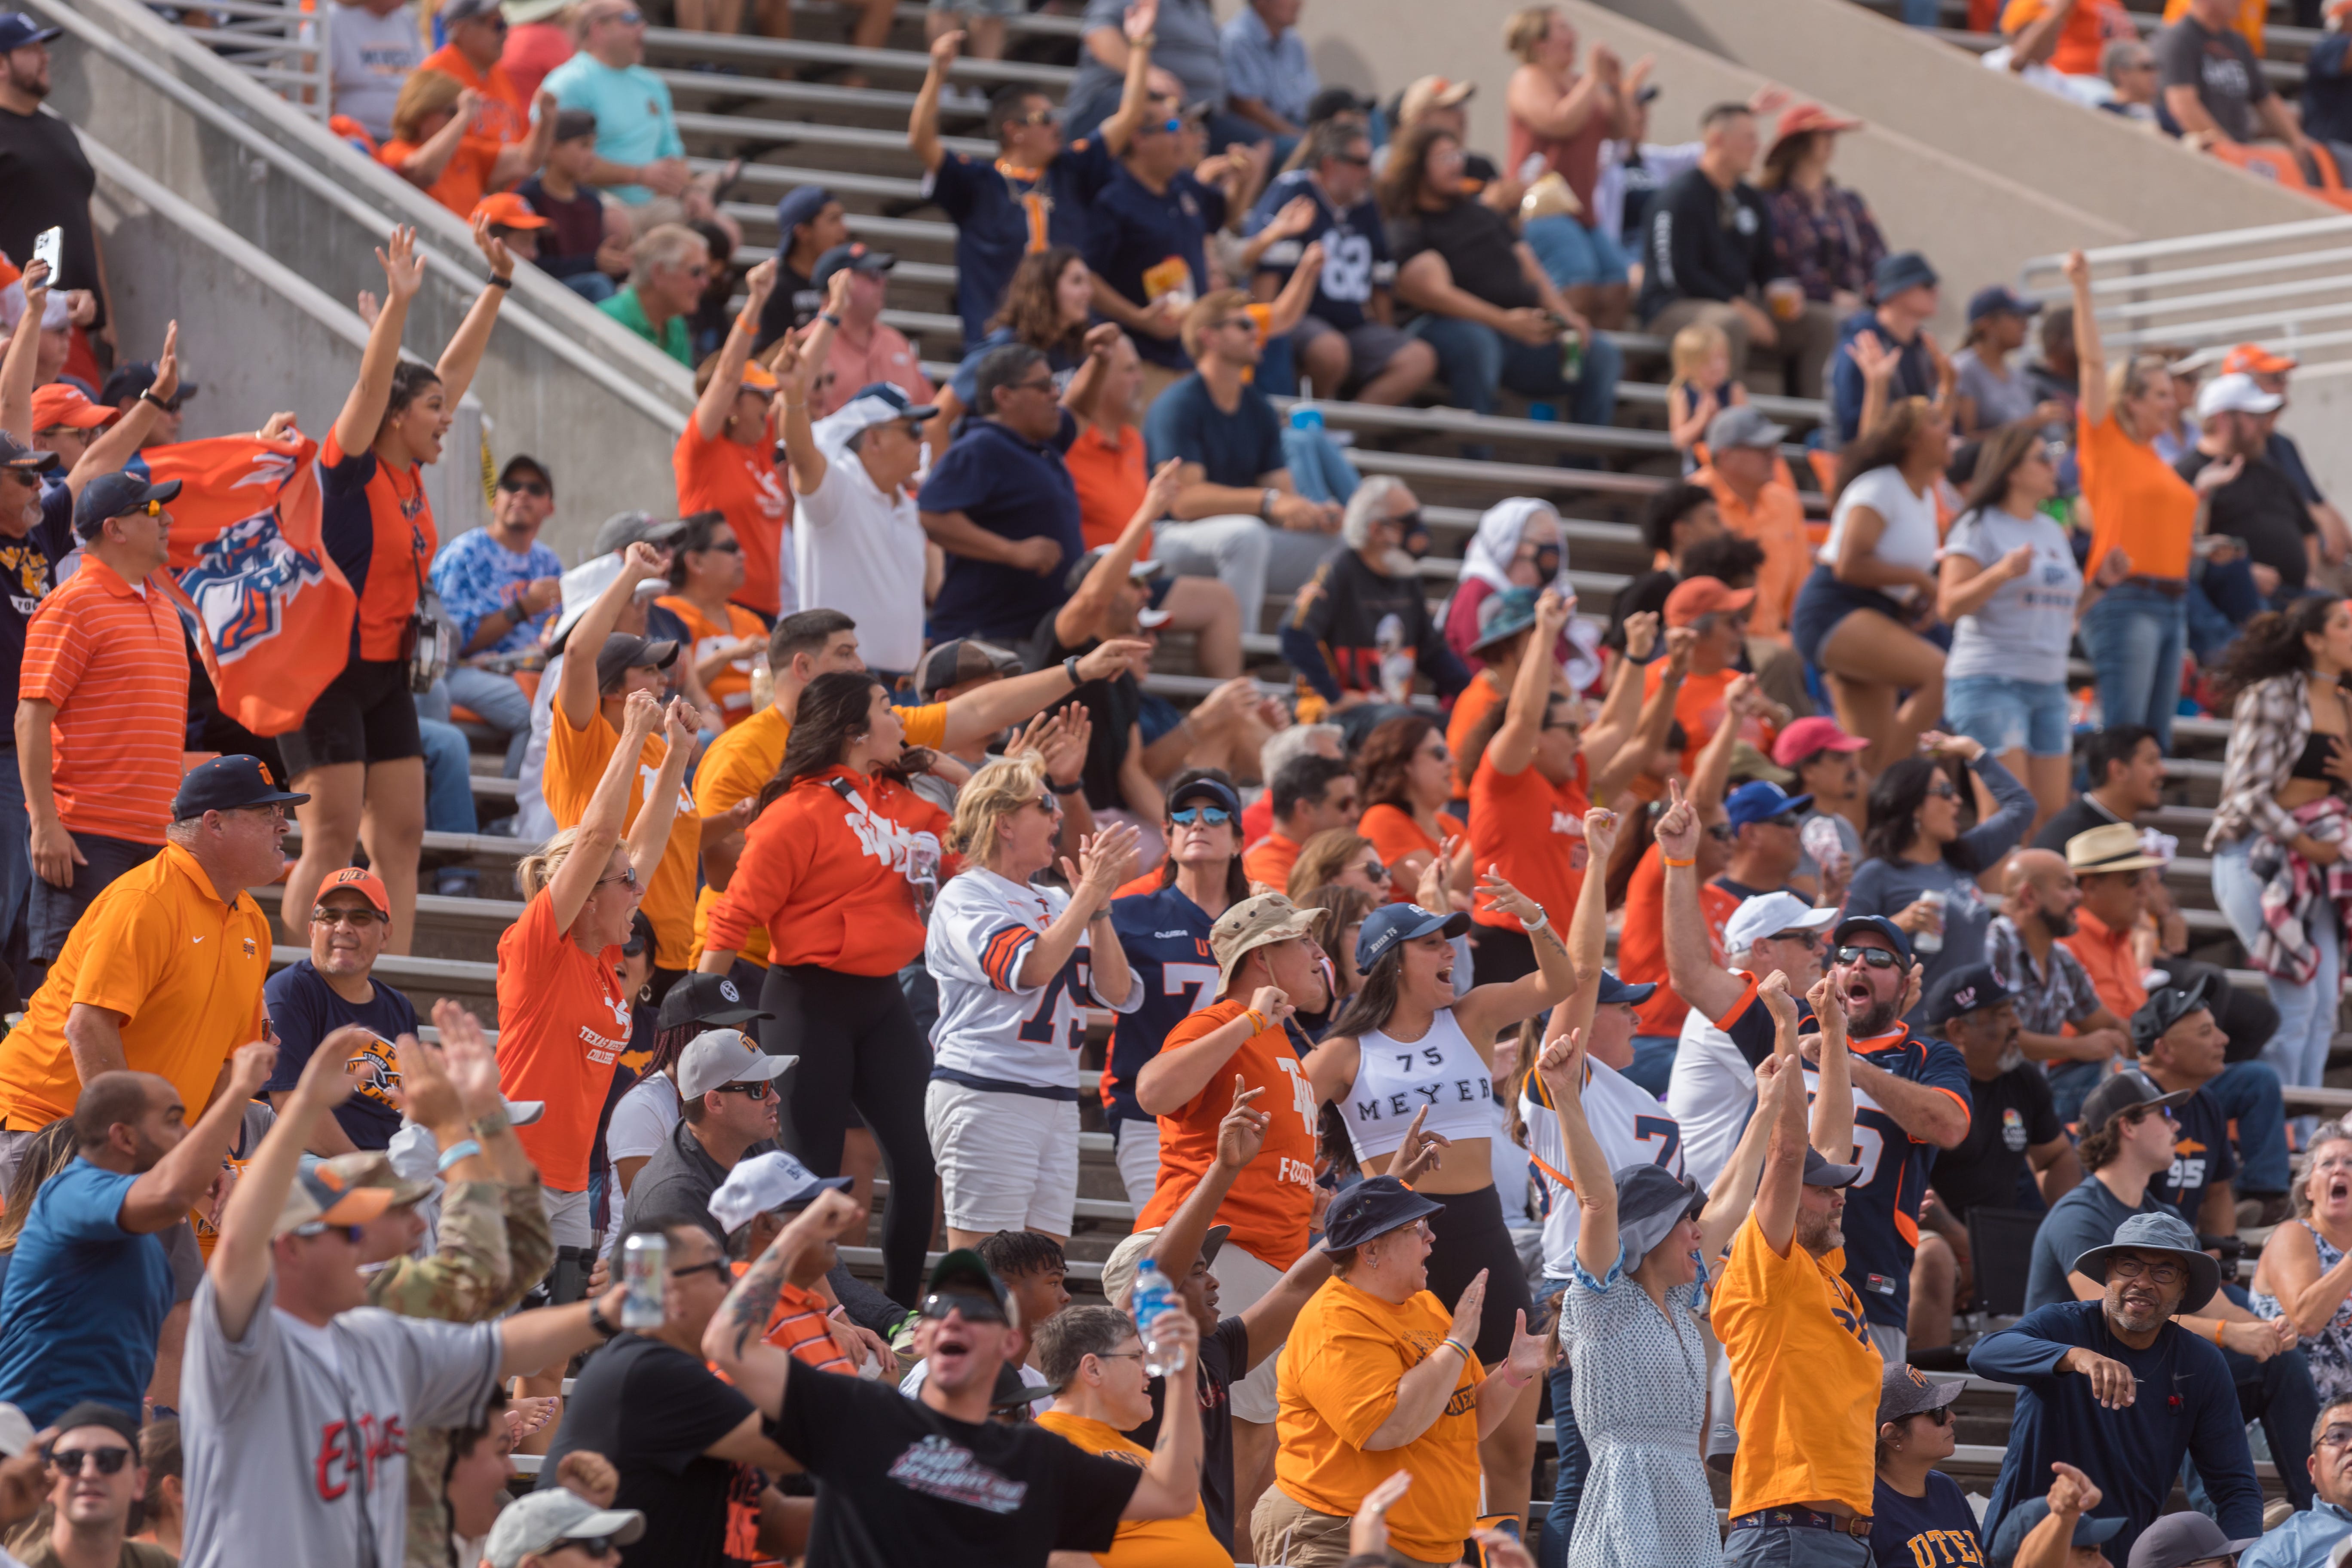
<point>1546,563</point>
<point>1415,541</point>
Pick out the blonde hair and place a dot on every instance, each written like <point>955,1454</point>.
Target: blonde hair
<point>989,797</point>
<point>1524,30</point>
<point>1212,308</point>
<point>1692,348</point>
<point>534,871</point>
<point>2130,378</point>
<point>424,94</point>
<point>1321,860</point>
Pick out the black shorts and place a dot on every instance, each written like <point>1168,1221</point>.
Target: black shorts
<point>365,715</point>
<point>1824,601</point>
<point>1471,1235</point>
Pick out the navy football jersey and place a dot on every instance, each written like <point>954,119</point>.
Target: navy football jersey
<point>1166,937</point>
<point>1355,249</point>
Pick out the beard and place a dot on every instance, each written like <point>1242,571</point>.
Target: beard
<point>32,84</point>
<point>2057,923</point>
<point>1819,1236</point>
<point>1876,1019</point>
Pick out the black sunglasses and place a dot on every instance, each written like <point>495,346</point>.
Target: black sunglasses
<point>1875,957</point>
<point>597,1546</point>
<point>717,1266</point>
<point>1942,790</point>
<point>730,546</point>
<point>758,1090</point>
<point>975,1308</point>
<point>527,488</point>
<point>109,1461</point>
<point>1723,832</point>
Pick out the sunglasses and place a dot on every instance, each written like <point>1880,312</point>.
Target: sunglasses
<point>596,1546</point>
<point>627,879</point>
<point>2134,1118</point>
<point>1942,1416</point>
<point>1214,816</point>
<point>1049,805</point>
<point>1786,819</point>
<point>527,488</point>
<point>1942,790</point>
<point>1811,941</point>
<point>1874,957</point>
<point>1376,871</point>
<point>715,1266</point>
<point>152,509</point>
<point>358,919</point>
<point>975,1308</point>
<point>108,1461</point>
<point>1040,117</point>
<point>1723,833</point>
<point>729,546</point>
<point>759,1091</point>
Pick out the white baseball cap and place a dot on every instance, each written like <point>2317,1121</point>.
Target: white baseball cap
<point>1769,913</point>
<point>765,1183</point>
<point>2236,394</point>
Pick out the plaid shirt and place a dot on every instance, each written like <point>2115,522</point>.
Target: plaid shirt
<point>2047,1003</point>
<point>475,575</point>
<point>1827,249</point>
<point>2269,725</point>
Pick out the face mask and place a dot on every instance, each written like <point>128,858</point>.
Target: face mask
<point>1416,544</point>
<point>1546,563</point>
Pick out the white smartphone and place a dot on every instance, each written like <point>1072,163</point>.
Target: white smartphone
<point>50,247</point>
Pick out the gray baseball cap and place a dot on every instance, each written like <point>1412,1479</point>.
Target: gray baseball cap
<point>1742,425</point>
<point>719,1056</point>
<point>538,1522</point>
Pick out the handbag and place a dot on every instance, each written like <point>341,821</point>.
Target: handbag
<point>427,643</point>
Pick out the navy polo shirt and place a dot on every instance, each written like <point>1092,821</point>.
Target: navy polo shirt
<point>1001,215</point>
<point>1146,243</point>
<point>1015,488</point>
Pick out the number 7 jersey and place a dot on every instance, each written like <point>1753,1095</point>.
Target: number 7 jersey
<point>994,1032</point>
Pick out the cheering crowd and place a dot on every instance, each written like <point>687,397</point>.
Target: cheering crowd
<point>1691,1033</point>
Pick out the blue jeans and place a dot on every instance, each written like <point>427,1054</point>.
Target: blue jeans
<point>594,287</point>
<point>1575,1460</point>
<point>16,864</point>
<point>2280,1394</point>
<point>448,778</point>
<point>2070,1084</point>
<point>2248,1093</point>
<point>1475,360</point>
<point>496,700</point>
<point>2222,598</point>
<point>53,911</point>
<point>1573,256</point>
<point>2134,636</point>
<point>2008,715</point>
<point>1654,1060</point>
<point>2307,1013</point>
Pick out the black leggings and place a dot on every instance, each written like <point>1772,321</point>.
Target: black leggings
<point>1471,1235</point>
<point>857,1044</point>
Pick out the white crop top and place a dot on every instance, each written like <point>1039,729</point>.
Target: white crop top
<point>1441,1071</point>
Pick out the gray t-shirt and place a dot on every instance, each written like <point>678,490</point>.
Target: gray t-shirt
<point>2000,394</point>
<point>2021,632</point>
<point>1187,44</point>
<point>296,1435</point>
<point>371,56</point>
<point>2221,68</point>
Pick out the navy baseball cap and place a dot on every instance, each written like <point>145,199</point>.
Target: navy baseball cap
<point>1373,1208</point>
<point>1965,990</point>
<point>117,495</point>
<point>18,30</point>
<point>14,454</point>
<point>798,207</point>
<point>1613,991</point>
<point>228,783</point>
<point>853,256</point>
<point>1879,923</point>
<point>138,375</point>
<point>1392,925</point>
<point>2090,1530</point>
<point>1214,790</point>
<point>1761,801</point>
<point>2000,301</point>
<point>1904,269</point>
<point>1821,1171</point>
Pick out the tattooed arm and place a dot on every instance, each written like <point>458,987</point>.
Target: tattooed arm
<point>735,1341</point>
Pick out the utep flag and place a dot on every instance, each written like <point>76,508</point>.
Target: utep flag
<point>254,572</point>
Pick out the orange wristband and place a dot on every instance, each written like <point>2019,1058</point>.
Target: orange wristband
<point>2217,1330</point>
<point>749,323</point>
<point>1672,862</point>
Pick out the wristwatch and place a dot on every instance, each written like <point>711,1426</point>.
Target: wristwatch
<point>604,1326</point>
<point>1265,503</point>
<point>1072,788</point>
<point>1070,669</point>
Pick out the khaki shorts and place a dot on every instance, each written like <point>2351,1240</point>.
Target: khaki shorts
<point>1243,1279</point>
<point>1286,1533</point>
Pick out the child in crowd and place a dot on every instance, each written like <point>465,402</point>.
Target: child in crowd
<point>1701,387</point>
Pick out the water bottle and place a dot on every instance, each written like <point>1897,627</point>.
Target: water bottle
<point>1571,354</point>
<point>1154,1298</point>
<point>1930,939</point>
<point>1305,416</point>
<point>645,1261</point>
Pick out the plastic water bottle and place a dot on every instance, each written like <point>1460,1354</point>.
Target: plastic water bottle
<point>1154,1299</point>
<point>1305,416</point>
<point>1930,939</point>
<point>644,1264</point>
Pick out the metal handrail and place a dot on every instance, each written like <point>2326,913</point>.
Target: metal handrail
<point>2193,243</point>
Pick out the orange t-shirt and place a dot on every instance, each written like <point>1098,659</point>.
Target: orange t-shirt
<point>1336,1380</point>
<point>725,476</point>
<point>2252,15</point>
<point>464,180</point>
<point>1269,860</point>
<point>2136,502</point>
<point>400,544</point>
<point>1642,941</point>
<point>2092,26</point>
<point>1698,707</point>
<point>1804,1372</point>
<point>1478,699</point>
<point>563,1022</point>
<point>1111,480</point>
<point>831,869</point>
<point>505,113</point>
<point>1777,523</point>
<point>731,687</point>
<point>112,660</point>
<point>184,970</point>
<point>575,763</point>
<point>1185,1543</point>
<point>1533,830</point>
<point>1396,835</point>
<point>1274,1193</point>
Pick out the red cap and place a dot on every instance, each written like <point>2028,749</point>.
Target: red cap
<point>360,880</point>
<point>2252,359</point>
<point>1806,737</point>
<point>1813,117</point>
<point>1697,597</point>
<point>60,403</point>
<point>508,210</point>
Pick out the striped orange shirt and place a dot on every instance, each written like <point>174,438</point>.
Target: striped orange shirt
<point>114,662</point>
<point>800,1324</point>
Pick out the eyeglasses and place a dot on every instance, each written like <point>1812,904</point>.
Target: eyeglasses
<point>1191,815</point>
<point>975,1308</point>
<point>357,919</point>
<point>2336,1436</point>
<point>1811,941</point>
<point>729,546</point>
<point>2126,1267</point>
<point>527,488</point>
<point>1375,871</point>
<point>1942,790</point>
<point>1786,819</point>
<point>1040,117</point>
<point>596,1546</point>
<point>715,1266</point>
<point>2134,1118</point>
<point>1875,957</point>
<point>1117,1355</point>
<point>627,879</point>
<point>1723,833</point>
<point>109,1461</point>
<point>1351,160</point>
<point>151,509</point>
<point>756,1090</point>
<point>1043,383</point>
<point>627,18</point>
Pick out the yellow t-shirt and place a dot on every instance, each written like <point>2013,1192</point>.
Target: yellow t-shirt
<point>1337,1382</point>
<point>1141,1543</point>
<point>1804,1377</point>
<point>739,765</point>
<point>575,763</point>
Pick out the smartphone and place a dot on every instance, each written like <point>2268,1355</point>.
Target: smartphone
<point>50,248</point>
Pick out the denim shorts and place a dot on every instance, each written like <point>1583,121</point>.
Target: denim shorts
<point>2008,715</point>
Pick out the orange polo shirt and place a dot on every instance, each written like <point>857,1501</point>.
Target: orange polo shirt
<point>576,763</point>
<point>112,660</point>
<point>2107,958</point>
<point>1111,481</point>
<point>1776,522</point>
<point>182,968</point>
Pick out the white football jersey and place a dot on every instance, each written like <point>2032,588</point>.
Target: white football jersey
<point>1629,1123</point>
<point>991,1027</point>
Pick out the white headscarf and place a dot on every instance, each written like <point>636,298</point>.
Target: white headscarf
<point>1488,560</point>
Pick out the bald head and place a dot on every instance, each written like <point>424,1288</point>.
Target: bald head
<point>128,1120</point>
<point>2038,888</point>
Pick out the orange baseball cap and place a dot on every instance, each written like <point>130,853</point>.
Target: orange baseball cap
<point>1697,597</point>
<point>363,881</point>
<point>508,210</point>
<point>757,377</point>
<point>2252,359</point>
<point>1813,117</point>
<point>61,403</point>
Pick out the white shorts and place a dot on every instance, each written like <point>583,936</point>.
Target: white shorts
<point>568,1218</point>
<point>1007,1161</point>
<point>1136,1148</point>
<point>1243,1279</point>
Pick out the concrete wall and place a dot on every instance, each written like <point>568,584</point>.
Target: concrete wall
<point>257,231</point>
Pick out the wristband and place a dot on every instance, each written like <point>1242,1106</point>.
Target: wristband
<point>748,325</point>
<point>828,318</point>
<point>1543,923</point>
<point>1266,501</point>
<point>463,1149</point>
<point>604,1328</point>
<point>1072,788</point>
<point>150,398</point>
<point>1457,1344</point>
<point>498,282</point>
<point>1258,1024</point>
<point>1670,860</point>
<point>1070,669</point>
<point>491,1121</point>
<point>2217,1330</point>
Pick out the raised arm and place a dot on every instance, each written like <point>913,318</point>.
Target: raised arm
<point>923,119</point>
<point>163,1193</point>
<point>1562,1068</point>
<point>1734,1186</point>
<point>1102,864</point>
<point>463,356</point>
<point>1003,703</point>
<point>735,1342</point>
<point>650,834</point>
<point>121,441</point>
<point>1712,771</point>
<point>600,824</point>
<point>1614,755</point>
<point>1175,1077</point>
<point>363,414</point>
<point>1691,969</point>
<point>1832,1129</point>
<point>1075,622</point>
<point>1588,933</point>
<point>1514,745</point>
<point>1171,1487</point>
<point>2090,355</point>
<point>20,364</point>
<point>239,1268</point>
<point>576,692</point>
<point>795,372</point>
<point>1487,1010</point>
<point>718,399</point>
<point>1783,1182</point>
<point>1135,88</point>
